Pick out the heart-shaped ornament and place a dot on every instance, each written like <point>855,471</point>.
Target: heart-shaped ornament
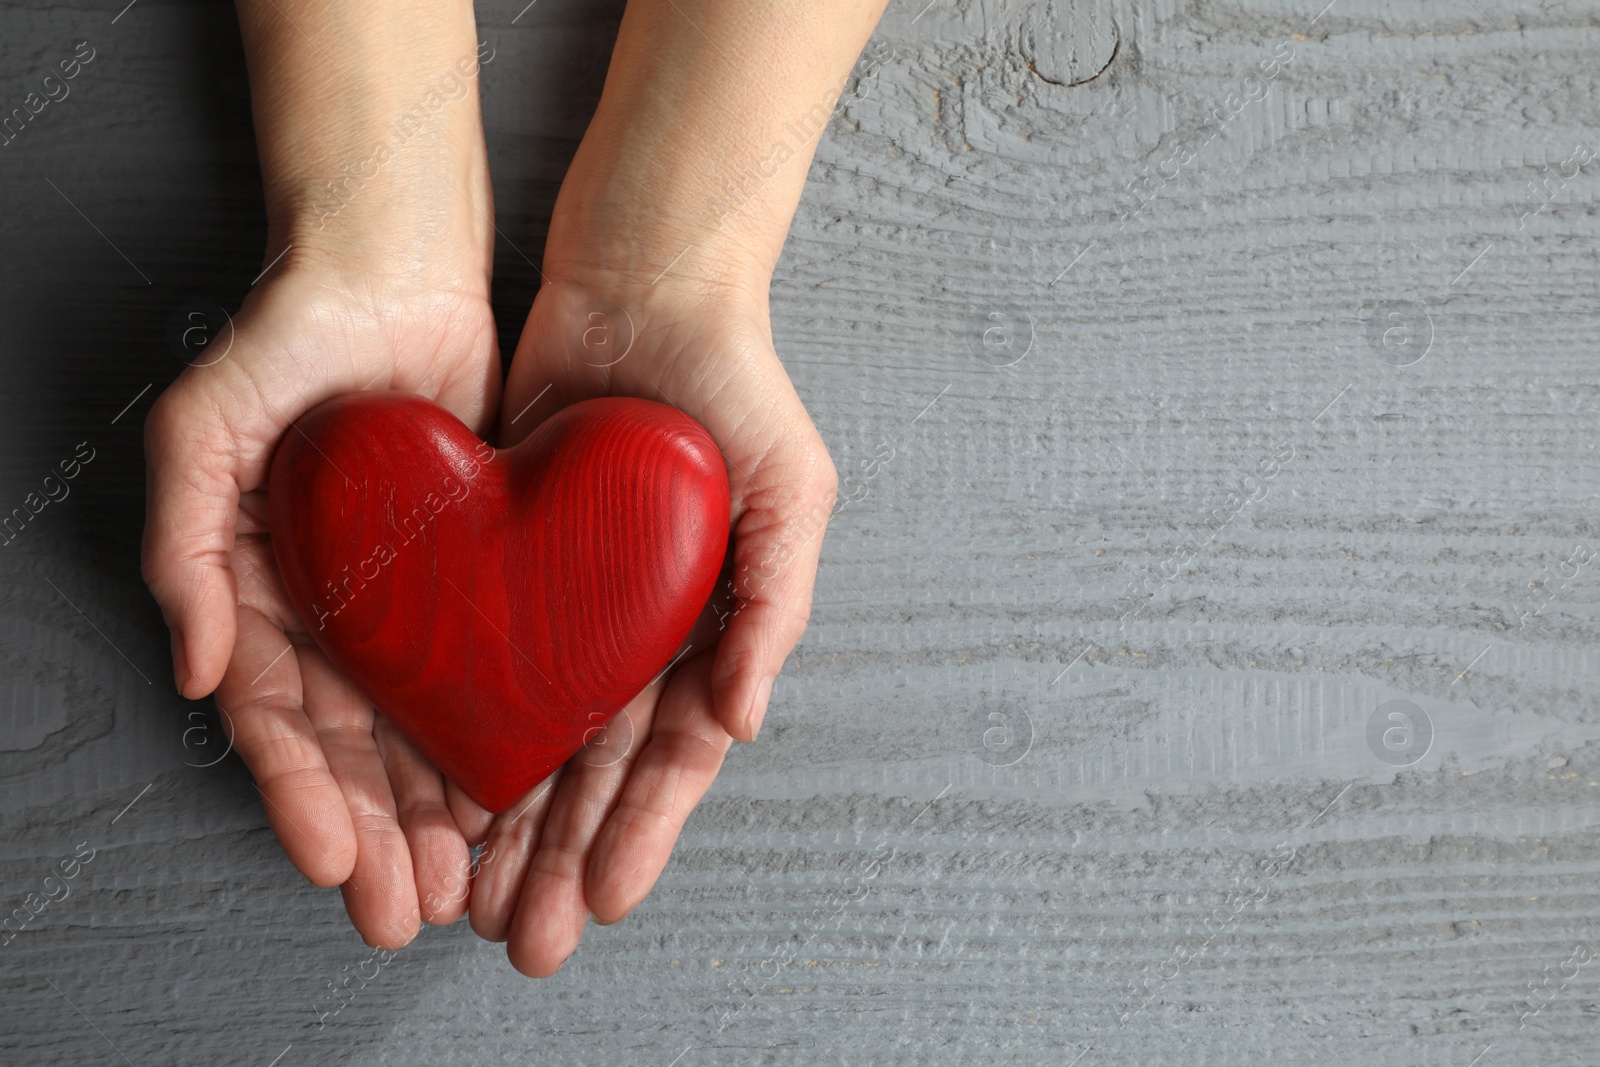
<point>498,606</point>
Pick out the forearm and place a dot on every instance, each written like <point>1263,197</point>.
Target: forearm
<point>368,127</point>
<point>711,113</point>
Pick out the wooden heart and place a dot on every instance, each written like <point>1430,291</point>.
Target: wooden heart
<point>498,606</point>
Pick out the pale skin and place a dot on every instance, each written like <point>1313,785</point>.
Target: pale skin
<point>391,291</point>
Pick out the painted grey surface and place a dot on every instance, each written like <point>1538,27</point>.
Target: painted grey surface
<point>1063,697</point>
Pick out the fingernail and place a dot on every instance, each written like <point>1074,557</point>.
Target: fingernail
<point>758,707</point>
<point>601,922</point>
<point>180,669</point>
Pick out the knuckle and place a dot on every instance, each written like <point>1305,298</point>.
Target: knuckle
<point>286,784</point>
<point>370,820</point>
<point>827,473</point>
<point>160,413</point>
<point>150,566</point>
<point>796,624</point>
<point>427,818</point>
<point>161,424</point>
<point>821,479</point>
<point>825,481</point>
<point>696,750</point>
<point>264,709</point>
<point>187,424</point>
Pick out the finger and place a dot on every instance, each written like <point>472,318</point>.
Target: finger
<point>552,910</point>
<point>439,856</point>
<point>262,696</point>
<point>670,775</point>
<point>510,845</point>
<point>192,495</point>
<point>380,894</point>
<point>473,820</point>
<point>777,542</point>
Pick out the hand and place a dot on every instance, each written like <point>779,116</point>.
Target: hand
<point>353,803</point>
<point>379,252</point>
<point>595,836</point>
<point>663,242</point>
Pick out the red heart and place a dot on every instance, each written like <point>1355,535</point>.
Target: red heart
<point>498,607</point>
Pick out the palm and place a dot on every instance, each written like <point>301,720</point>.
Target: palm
<point>353,803</point>
<point>595,836</point>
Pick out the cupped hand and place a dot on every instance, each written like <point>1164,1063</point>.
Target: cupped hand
<point>353,803</point>
<point>594,837</point>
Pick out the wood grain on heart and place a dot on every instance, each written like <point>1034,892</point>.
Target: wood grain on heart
<point>498,606</point>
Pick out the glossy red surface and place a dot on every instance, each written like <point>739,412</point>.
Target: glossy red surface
<point>498,606</point>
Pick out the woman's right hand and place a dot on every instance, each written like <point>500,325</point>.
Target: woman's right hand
<point>353,803</point>
<point>379,250</point>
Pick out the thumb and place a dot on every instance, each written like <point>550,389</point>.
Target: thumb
<point>785,487</point>
<point>191,507</point>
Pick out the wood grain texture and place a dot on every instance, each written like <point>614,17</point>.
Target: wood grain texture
<point>499,606</point>
<point>892,874</point>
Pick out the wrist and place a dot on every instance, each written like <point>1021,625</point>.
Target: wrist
<point>427,222</point>
<point>697,154</point>
<point>379,172</point>
<point>633,216</point>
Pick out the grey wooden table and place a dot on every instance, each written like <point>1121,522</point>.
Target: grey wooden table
<point>1202,665</point>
